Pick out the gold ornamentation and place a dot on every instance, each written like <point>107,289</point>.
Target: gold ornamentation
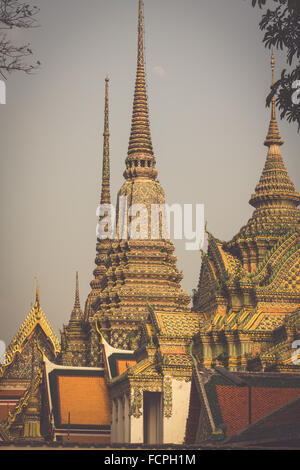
<point>36,317</point>
<point>136,403</point>
<point>167,397</point>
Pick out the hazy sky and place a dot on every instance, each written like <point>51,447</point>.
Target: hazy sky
<point>208,75</point>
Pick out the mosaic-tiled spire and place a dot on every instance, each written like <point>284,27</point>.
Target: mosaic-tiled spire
<point>102,245</point>
<point>105,190</point>
<point>140,160</point>
<point>275,193</point>
<point>275,201</point>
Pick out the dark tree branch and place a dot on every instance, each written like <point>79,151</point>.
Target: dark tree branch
<point>282,31</point>
<point>16,14</point>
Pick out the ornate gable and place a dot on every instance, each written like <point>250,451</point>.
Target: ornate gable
<point>21,354</point>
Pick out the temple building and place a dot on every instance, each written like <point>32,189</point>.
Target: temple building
<point>141,306</point>
<point>138,365</point>
<point>21,377</point>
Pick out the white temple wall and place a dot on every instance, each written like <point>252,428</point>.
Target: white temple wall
<point>136,430</point>
<point>126,420</point>
<point>174,427</point>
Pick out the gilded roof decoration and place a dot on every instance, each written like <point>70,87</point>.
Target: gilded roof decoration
<point>36,317</point>
<point>23,402</point>
<point>177,324</point>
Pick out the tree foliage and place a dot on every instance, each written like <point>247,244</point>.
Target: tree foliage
<point>281,25</point>
<point>15,14</point>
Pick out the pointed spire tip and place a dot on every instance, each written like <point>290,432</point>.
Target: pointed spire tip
<point>273,137</point>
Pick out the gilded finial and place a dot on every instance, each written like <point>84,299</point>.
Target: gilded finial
<point>106,110</point>
<point>273,137</point>
<point>273,81</point>
<point>141,35</point>
<point>37,305</point>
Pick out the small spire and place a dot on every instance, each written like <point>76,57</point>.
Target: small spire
<point>273,137</point>
<point>105,199</point>
<point>77,312</point>
<point>37,305</point>
<point>105,190</point>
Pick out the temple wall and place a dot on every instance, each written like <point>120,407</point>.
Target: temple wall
<point>136,430</point>
<point>174,427</point>
<point>126,421</point>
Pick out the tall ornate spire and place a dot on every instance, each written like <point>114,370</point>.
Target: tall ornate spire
<point>141,270</point>
<point>105,191</point>
<point>140,160</point>
<point>273,136</point>
<point>102,246</point>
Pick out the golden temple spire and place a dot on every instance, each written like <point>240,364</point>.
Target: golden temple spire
<point>140,160</point>
<point>275,183</point>
<point>273,137</point>
<point>275,199</point>
<point>102,245</point>
<point>105,190</point>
